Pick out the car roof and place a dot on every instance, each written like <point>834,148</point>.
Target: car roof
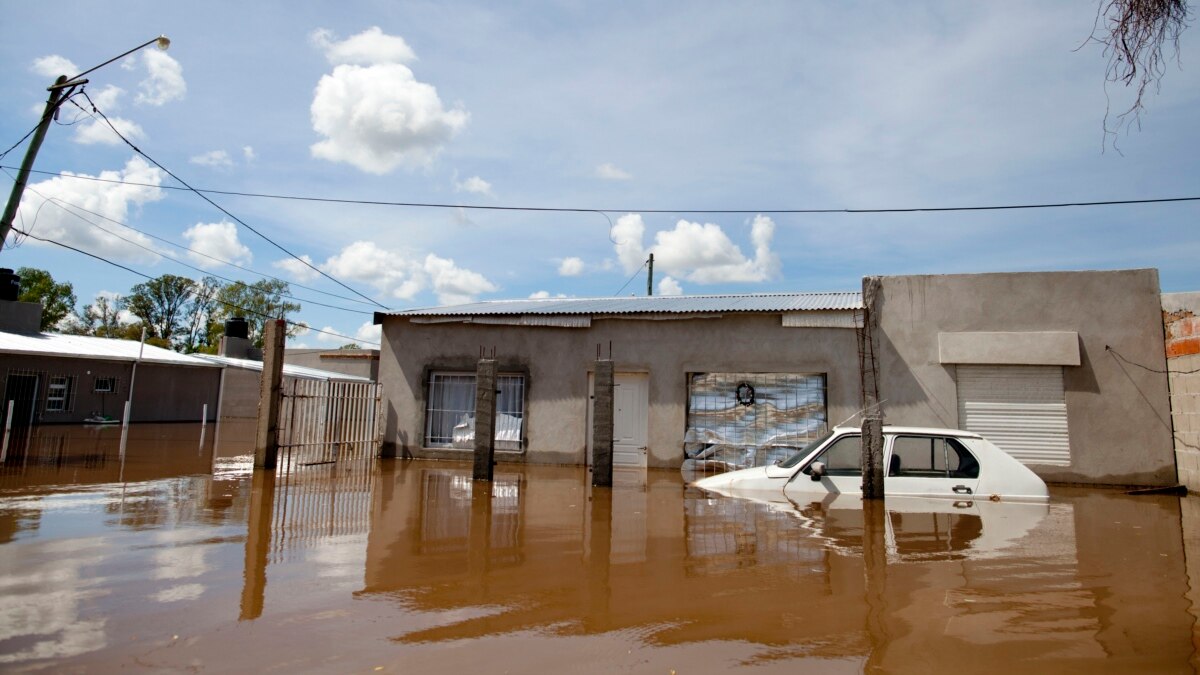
<point>898,430</point>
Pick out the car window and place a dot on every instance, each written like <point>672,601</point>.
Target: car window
<point>843,457</point>
<point>931,457</point>
<point>801,454</point>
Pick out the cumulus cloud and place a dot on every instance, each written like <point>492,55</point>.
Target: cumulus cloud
<point>213,158</point>
<point>369,333</point>
<point>475,185</point>
<point>669,286</point>
<point>164,82</point>
<point>608,171</point>
<point>326,336</point>
<point>373,112</point>
<point>117,199</point>
<point>298,270</point>
<point>98,131</point>
<point>368,47</point>
<point>248,153</point>
<point>544,295</point>
<point>570,267</point>
<point>403,277</point>
<point>107,97</point>
<point>54,65</point>
<point>218,240</point>
<point>698,252</point>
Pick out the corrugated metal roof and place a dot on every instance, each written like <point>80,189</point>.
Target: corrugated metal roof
<point>663,304</point>
<point>289,369</point>
<point>85,347</point>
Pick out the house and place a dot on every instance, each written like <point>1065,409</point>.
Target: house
<point>1064,370</point>
<point>356,362</point>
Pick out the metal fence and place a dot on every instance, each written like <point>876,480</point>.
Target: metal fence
<point>326,421</point>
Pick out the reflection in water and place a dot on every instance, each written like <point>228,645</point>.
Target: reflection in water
<point>411,565</point>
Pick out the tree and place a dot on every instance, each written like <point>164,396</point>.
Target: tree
<point>351,345</point>
<point>102,318</point>
<point>160,303</point>
<point>200,313</point>
<point>58,300</point>
<point>1133,33</point>
<point>256,302</point>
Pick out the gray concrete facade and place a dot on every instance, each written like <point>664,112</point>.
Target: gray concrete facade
<point>357,362</point>
<point>556,362</point>
<point>1118,413</point>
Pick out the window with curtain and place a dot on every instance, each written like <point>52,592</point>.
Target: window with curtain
<point>450,411</point>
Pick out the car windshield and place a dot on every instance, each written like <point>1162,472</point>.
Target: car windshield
<point>800,455</point>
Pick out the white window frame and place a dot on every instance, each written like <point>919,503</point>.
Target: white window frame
<point>510,402</point>
<point>116,384</point>
<point>59,389</point>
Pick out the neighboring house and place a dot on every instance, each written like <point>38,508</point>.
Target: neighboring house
<point>241,382</point>
<point>1038,362</point>
<point>1181,316</point>
<point>355,362</point>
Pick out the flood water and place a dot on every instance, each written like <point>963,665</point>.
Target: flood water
<point>179,557</point>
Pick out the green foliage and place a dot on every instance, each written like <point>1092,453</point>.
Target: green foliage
<point>161,304</point>
<point>58,300</point>
<point>351,345</point>
<point>255,302</point>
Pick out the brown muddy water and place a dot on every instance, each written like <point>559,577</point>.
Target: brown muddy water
<point>181,558</point>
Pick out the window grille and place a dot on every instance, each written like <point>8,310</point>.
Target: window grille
<point>105,385</point>
<point>60,394</point>
<point>450,411</point>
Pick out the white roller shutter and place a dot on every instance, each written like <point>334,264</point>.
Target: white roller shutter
<point>1019,408</point>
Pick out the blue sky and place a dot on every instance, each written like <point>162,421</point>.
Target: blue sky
<point>625,107</point>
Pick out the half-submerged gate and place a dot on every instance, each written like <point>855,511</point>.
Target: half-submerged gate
<point>323,421</point>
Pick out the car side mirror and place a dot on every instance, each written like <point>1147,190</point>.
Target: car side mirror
<point>816,471</point>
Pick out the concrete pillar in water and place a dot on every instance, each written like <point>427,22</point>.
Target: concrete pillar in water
<point>485,418</point>
<point>266,438</point>
<point>602,425</point>
<point>872,440</point>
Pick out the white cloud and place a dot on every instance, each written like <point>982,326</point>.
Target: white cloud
<point>475,185</point>
<point>107,97</point>
<point>326,337</point>
<point>298,270</point>
<point>53,66</point>
<point>213,158</point>
<point>570,267</point>
<point>702,253</point>
<point>98,131</point>
<point>369,46</point>
<point>402,277</point>
<point>369,333</point>
<point>219,240</point>
<point>164,82</point>
<point>608,171</point>
<point>543,295</point>
<point>669,286</point>
<point>115,200</point>
<point>248,153</point>
<point>373,112</point>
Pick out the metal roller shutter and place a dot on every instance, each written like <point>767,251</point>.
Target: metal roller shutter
<point>1019,408</point>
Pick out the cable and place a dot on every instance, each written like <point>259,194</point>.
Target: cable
<point>194,292</point>
<point>222,209</point>
<point>62,203</point>
<point>1117,354</point>
<point>557,209</point>
<point>639,270</point>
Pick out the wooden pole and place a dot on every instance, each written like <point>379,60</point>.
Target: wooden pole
<point>602,424</point>
<point>266,440</point>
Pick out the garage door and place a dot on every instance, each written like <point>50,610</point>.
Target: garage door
<point>1019,408</point>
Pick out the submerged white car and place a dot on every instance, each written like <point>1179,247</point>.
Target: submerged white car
<point>920,462</point>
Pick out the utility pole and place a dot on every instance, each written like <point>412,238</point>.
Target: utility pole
<point>14,198</point>
<point>650,276</point>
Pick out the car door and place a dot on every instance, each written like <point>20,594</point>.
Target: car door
<point>930,465</point>
<point>842,458</point>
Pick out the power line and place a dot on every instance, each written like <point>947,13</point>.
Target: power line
<point>193,291</point>
<point>639,271</point>
<point>222,209</point>
<point>564,209</point>
<point>62,204</point>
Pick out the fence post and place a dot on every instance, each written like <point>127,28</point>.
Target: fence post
<point>602,424</point>
<point>7,431</point>
<point>485,418</point>
<point>266,441</point>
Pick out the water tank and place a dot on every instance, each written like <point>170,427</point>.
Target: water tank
<point>10,285</point>
<point>237,327</point>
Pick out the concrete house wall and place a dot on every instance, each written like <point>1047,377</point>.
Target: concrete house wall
<point>356,362</point>
<point>556,362</point>
<point>1119,415</point>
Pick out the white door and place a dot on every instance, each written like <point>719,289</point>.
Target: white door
<point>631,403</point>
<point>1022,409</point>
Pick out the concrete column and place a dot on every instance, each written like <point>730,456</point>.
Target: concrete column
<point>872,451</point>
<point>485,418</point>
<point>266,439</point>
<point>602,425</point>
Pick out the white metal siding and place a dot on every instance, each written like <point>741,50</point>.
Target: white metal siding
<point>1021,409</point>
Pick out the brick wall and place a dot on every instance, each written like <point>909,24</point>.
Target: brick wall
<point>1181,321</point>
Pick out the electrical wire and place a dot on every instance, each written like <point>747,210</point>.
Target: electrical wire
<point>221,208</point>
<point>195,292</point>
<point>563,209</point>
<point>639,270</point>
<point>1118,355</point>
<point>62,203</point>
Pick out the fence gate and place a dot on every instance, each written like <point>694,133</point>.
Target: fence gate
<point>326,421</point>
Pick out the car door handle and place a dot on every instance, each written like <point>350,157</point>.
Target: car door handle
<point>961,489</point>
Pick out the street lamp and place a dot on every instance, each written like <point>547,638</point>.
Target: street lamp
<point>56,99</point>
